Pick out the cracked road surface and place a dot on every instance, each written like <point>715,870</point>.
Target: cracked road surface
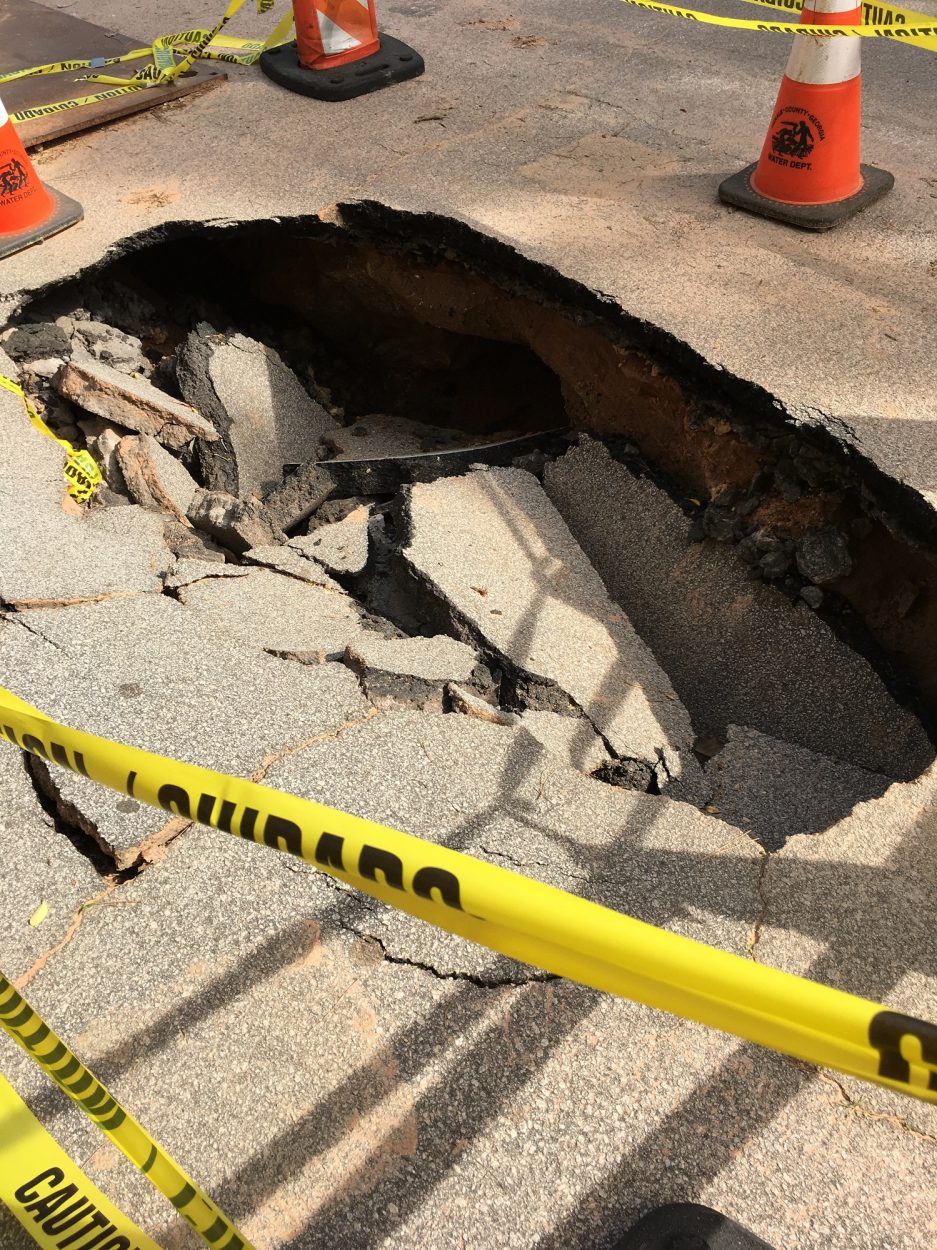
<point>335,1072</point>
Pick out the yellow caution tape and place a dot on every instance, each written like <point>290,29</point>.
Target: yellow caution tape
<point>865,31</point>
<point>512,914</point>
<point>48,1193</point>
<point>28,1029</point>
<point>171,55</point>
<point>82,475</point>
<point>873,13</point>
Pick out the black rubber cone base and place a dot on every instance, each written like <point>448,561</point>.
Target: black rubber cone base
<point>688,1226</point>
<point>738,192</point>
<point>66,213</point>
<point>393,62</point>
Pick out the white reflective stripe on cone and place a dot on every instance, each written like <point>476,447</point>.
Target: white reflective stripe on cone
<point>363,3</point>
<point>4,115</point>
<point>836,59</point>
<point>334,39</point>
<point>831,6</point>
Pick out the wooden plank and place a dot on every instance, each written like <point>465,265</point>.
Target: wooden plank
<point>31,34</point>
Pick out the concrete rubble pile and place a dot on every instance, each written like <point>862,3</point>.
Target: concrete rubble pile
<point>558,671</point>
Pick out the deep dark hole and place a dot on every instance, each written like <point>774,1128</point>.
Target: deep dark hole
<point>368,360</point>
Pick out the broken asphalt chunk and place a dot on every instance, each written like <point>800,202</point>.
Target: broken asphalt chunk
<point>278,614</point>
<point>237,524</point>
<point>774,790</point>
<point>737,651</point>
<point>299,495</point>
<point>412,672</point>
<point>154,477</point>
<point>258,405</point>
<point>342,546</point>
<point>495,551</point>
<point>133,403</point>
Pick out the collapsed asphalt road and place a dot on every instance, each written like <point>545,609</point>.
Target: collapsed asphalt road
<point>541,658</point>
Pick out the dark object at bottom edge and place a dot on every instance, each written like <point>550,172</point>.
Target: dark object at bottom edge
<point>689,1226</point>
<point>739,192</point>
<point>393,62</point>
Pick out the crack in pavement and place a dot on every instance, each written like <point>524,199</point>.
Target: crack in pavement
<point>856,1107</point>
<point>751,946</point>
<point>537,977</point>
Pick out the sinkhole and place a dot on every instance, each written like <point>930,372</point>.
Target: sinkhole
<point>783,585</point>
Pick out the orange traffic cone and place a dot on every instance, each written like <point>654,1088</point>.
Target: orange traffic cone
<point>29,212</point>
<point>809,173</point>
<point>338,52</point>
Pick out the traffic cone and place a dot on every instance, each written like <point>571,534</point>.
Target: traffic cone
<point>29,211</point>
<point>338,52</point>
<point>809,173</point>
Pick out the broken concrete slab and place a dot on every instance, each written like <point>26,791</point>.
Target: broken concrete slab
<point>774,790</point>
<point>342,547</point>
<point>572,739</point>
<point>41,866</point>
<point>193,693</point>
<point>496,552</point>
<point>102,440</point>
<point>132,402</point>
<point>259,406</point>
<point>272,612</point>
<point>154,477</point>
<point>496,793</point>
<point>187,543</point>
<point>237,524</point>
<point>299,495</point>
<point>111,346</point>
<point>412,672</point>
<point>285,560</point>
<point>853,907</point>
<point>737,652</point>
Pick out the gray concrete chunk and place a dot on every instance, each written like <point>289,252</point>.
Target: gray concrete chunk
<point>775,790</point>
<point>433,659</point>
<point>265,416</point>
<point>411,672</point>
<point>273,612</point>
<point>737,651</point>
<point>123,352</point>
<point>494,792</point>
<point>342,547</point>
<point>132,402</point>
<point>154,477</point>
<point>285,559</point>
<point>496,551</point>
<point>237,524</point>
<point>571,738</point>
<point>148,672</point>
